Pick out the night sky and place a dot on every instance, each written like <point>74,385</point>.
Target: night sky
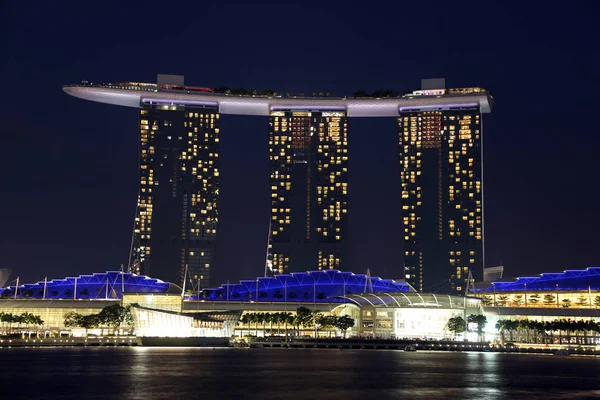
<point>69,167</point>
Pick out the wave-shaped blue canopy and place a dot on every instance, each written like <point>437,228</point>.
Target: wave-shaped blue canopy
<point>102,285</point>
<point>568,280</point>
<point>311,286</point>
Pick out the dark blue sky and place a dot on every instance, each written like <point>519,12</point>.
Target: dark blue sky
<point>69,177</point>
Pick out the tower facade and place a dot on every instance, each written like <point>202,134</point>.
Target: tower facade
<point>442,197</point>
<point>177,212</point>
<point>308,155</point>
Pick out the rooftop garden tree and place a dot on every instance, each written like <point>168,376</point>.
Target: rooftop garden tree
<point>534,298</point>
<point>549,299</point>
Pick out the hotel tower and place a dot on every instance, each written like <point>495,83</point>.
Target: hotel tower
<point>177,211</point>
<point>308,155</point>
<point>442,196</point>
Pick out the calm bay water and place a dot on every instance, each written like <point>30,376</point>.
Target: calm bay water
<point>178,373</point>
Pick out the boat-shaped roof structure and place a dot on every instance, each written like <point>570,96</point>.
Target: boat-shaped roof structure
<point>137,95</point>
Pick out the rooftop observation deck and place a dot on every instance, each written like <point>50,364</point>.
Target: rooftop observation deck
<point>132,94</point>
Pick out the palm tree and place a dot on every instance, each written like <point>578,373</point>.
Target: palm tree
<point>565,326</point>
<point>511,326</point>
<point>534,326</point>
<point>582,327</point>
<point>256,320</point>
<point>26,319</point>
<point>594,327</point>
<point>30,319</point>
<point>270,318</point>
<point>245,320</point>
<point>526,325</point>
<point>37,321</point>
<point>501,326</point>
<point>289,319</point>
<point>548,327</point>
<point>249,321</point>
<point>557,326</point>
<point>264,318</point>
<point>569,327</point>
<point>275,319</point>
<point>280,320</point>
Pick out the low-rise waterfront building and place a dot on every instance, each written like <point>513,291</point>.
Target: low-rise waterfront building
<point>266,306</point>
<point>570,295</point>
<point>381,308</point>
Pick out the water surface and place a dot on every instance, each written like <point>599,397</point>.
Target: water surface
<point>185,373</point>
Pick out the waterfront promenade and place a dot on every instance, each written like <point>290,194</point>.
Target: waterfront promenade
<point>419,345</point>
<point>302,343</point>
<point>72,342</point>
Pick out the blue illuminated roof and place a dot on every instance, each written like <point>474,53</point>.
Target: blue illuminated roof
<point>312,286</point>
<point>568,280</point>
<point>105,285</point>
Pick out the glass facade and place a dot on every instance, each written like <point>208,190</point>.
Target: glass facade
<point>442,198</point>
<point>308,154</point>
<point>52,312</point>
<point>177,213</point>
<point>161,323</point>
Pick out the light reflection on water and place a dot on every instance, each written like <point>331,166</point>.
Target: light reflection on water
<point>164,373</point>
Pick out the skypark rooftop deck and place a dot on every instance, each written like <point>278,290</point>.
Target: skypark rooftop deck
<point>136,95</point>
